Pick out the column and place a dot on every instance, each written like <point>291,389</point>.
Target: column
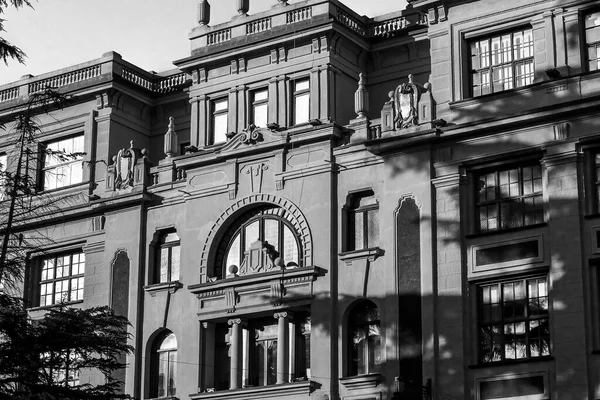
<point>201,134</point>
<point>282,101</point>
<point>273,102</point>
<point>283,348</point>
<point>235,377</point>
<point>241,107</point>
<point>232,107</point>
<point>292,352</point>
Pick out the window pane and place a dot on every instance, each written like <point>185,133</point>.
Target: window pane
<point>220,128</point>
<point>163,374</point>
<point>302,85</point>
<point>233,257</point>
<point>252,234</point>
<point>301,108</point>
<point>272,233</point>
<point>175,250</point>
<point>260,115</point>
<point>290,247</point>
<point>261,95</point>
<point>373,228</point>
<point>164,265</point>
<point>358,230</point>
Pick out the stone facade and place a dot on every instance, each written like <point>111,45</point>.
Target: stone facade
<point>418,218</point>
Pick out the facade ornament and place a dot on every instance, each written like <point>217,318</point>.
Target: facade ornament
<point>243,6</point>
<point>282,2</point>
<point>129,168</point>
<point>406,97</point>
<point>251,135</point>
<point>203,12</point>
<point>171,141</point>
<point>361,98</point>
<point>260,257</point>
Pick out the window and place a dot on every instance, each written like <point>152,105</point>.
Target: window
<point>68,373</point>
<point>301,101</point>
<point>592,40</point>
<point>168,258</point>
<point>363,221</point>
<point>261,229</point>
<point>501,62</point>
<point>164,360</point>
<point>63,164</point>
<point>513,320</point>
<point>265,355</point>
<point>219,121</point>
<point>510,198</point>
<point>364,336</point>
<point>62,279</point>
<point>260,107</point>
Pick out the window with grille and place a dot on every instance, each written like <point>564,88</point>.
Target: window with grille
<point>363,221</point>
<point>501,62</point>
<point>62,279</point>
<point>592,40</point>
<point>168,258</point>
<point>63,164</point>
<point>513,320</point>
<point>219,121</point>
<point>260,107</point>
<point>510,198</point>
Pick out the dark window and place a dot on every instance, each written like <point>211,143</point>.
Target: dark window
<point>513,320</point>
<point>501,62</point>
<point>507,253</point>
<point>264,355</point>
<point>164,359</point>
<point>219,121</point>
<point>260,107</point>
<point>63,164</point>
<point>168,258</point>
<point>363,221</point>
<point>61,278</point>
<point>301,112</point>
<point>512,388</point>
<point>268,226</point>
<point>364,337</point>
<point>592,40</point>
<point>67,373</point>
<point>510,198</point>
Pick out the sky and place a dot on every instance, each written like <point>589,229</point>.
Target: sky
<point>148,33</point>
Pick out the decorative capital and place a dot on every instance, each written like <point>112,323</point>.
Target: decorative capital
<point>236,321</point>
<point>284,314</point>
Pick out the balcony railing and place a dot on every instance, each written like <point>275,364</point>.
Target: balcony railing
<point>260,25</point>
<point>69,78</point>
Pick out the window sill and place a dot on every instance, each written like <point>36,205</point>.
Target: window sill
<point>285,390</point>
<point>502,231</point>
<point>511,362</point>
<point>367,381</point>
<point>171,287</point>
<point>48,307</point>
<point>370,254</point>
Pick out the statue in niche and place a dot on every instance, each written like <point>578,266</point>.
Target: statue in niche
<point>405,97</point>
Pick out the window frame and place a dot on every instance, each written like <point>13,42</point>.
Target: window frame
<point>169,246</point>
<point>69,277</point>
<point>472,40</point>
<point>45,168</point>
<point>369,350</point>
<point>589,44</point>
<point>525,319</point>
<point>216,113</point>
<point>254,103</point>
<point>352,209</point>
<point>156,365</point>
<point>297,94</point>
<point>497,169</point>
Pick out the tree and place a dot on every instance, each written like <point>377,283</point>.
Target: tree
<point>7,50</point>
<point>41,359</point>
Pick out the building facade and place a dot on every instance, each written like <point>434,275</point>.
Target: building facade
<point>318,204</point>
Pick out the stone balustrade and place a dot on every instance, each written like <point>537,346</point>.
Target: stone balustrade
<point>297,15</point>
<point>259,25</point>
<point>69,78</point>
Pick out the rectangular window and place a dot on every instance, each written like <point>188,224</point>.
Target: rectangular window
<point>69,375</point>
<point>513,320</point>
<point>169,257</point>
<point>301,101</point>
<point>501,62</point>
<point>219,121</point>
<point>592,40</point>
<point>260,107</point>
<point>363,222</point>
<point>510,198</point>
<point>61,278</point>
<point>63,164</point>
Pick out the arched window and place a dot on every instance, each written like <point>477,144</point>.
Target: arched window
<point>164,360</point>
<point>261,240</point>
<point>364,339</point>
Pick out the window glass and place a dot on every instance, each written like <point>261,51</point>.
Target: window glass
<point>365,339</point>
<point>63,164</point>
<point>301,101</point>
<point>501,62</point>
<point>363,221</point>
<point>62,279</point>
<point>260,108</point>
<point>165,359</point>
<point>168,258</point>
<point>592,39</point>
<point>220,118</point>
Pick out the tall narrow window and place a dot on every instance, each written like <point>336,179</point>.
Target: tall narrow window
<point>510,198</point>
<point>301,101</point>
<point>265,355</point>
<point>260,107</point>
<point>364,337</point>
<point>513,320</point>
<point>168,258</point>
<point>592,40</point>
<point>63,163</point>
<point>363,221</point>
<point>62,279</point>
<point>219,121</point>
<point>501,62</point>
<point>165,366</point>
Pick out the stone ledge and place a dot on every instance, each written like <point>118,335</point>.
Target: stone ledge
<point>171,287</point>
<point>285,390</point>
<point>367,381</point>
<point>370,254</point>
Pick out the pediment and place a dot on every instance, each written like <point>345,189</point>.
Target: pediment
<point>252,137</point>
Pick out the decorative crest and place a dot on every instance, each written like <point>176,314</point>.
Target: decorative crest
<point>406,98</point>
<point>122,173</point>
<point>251,135</point>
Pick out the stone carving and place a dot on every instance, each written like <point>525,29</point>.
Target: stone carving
<point>260,257</point>
<point>130,168</point>
<point>171,142</point>
<point>251,135</point>
<point>410,104</point>
<point>256,175</point>
<point>361,98</point>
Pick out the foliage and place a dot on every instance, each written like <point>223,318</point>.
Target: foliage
<point>36,356</point>
<point>8,50</point>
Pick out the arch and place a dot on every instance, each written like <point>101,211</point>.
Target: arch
<point>153,366</point>
<point>228,217</point>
